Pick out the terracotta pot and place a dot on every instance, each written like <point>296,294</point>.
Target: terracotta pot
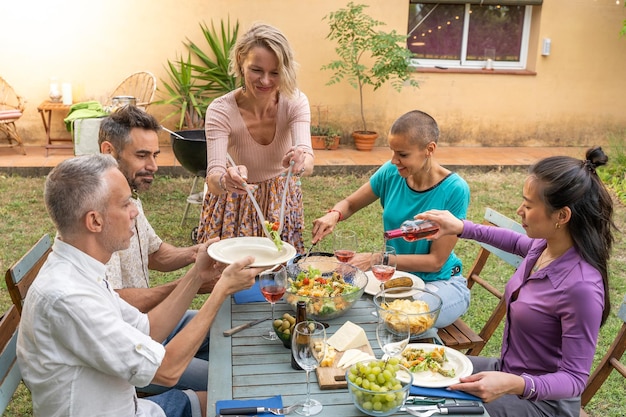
<point>364,141</point>
<point>320,142</point>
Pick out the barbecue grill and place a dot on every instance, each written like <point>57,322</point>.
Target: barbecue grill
<point>189,148</point>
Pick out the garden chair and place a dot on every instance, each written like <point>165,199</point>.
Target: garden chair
<point>11,109</point>
<point>459,335</point>
<point>610,361</point>
<point>10,375</point>
<point>141,85</point>
<point>21,274</point>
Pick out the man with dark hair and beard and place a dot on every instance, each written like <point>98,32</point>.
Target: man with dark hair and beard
<point>130,135</point>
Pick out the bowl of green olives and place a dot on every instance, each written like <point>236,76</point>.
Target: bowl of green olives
<point>283,328</point>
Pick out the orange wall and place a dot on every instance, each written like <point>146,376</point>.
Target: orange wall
<point>575,97</point>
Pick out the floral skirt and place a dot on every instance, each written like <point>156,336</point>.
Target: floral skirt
<point>232,215</point>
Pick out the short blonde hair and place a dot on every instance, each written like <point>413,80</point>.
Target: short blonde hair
<point>271,38</point>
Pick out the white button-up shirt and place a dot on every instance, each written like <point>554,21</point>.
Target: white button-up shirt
<point>81,348</point>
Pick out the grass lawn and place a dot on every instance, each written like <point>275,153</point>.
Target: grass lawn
<point>25,220</point>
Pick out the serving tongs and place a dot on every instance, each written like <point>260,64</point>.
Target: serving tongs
<point>256,204</point>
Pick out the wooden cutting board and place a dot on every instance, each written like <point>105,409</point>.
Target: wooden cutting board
<point>333,377</point>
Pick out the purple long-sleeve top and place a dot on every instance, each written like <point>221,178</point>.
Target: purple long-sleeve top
<point>552,326</point>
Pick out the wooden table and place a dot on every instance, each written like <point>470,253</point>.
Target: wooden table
<point>247,366</point>
<point>46,109</point>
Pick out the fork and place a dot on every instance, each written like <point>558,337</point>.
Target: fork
<point>255,410</point>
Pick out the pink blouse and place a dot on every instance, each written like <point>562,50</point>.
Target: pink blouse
<point>226,132</point>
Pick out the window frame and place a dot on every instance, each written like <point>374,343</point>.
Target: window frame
<point>464,63</point>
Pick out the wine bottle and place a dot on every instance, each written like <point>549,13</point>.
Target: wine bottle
<point>300,316</point>
<point>412,230</point>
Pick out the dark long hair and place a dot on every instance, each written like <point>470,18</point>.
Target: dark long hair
<point>570,182</point>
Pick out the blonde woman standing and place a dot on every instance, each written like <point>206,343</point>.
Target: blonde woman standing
<point>265,127</point>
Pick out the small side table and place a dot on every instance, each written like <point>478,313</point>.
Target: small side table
<point>45,110</point>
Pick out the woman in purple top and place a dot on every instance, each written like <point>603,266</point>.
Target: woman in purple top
<point>557,299</point>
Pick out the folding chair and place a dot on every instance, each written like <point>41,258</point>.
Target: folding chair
<point>610,361</point>
<point>11,109</point>
<point>141,85</point>
<point>10,375</point>
<point>21,274</point>
<point>459,335</point>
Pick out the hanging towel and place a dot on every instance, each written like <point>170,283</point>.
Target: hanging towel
<point>84,110</point>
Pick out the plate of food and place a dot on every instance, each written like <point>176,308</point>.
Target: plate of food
<point>435,366</point>
<point>373,285</point>
<point>263,249</point>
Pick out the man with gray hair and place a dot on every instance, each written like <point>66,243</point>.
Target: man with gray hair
<point>82,349</point>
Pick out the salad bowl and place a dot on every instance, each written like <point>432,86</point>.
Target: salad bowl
<point>329,287</point>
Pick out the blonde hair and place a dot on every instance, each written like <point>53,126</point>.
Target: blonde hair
<point>271,38</point>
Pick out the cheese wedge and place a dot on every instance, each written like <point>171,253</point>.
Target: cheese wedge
<point>358,358</point>
<point>349,336</point>
<point>352,356</point>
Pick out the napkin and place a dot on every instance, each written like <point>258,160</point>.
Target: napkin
<point>276,401</point>
<point>251,295</point>
<point>442,393</point>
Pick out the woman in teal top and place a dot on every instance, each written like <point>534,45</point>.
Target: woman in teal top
<point>412,181</point>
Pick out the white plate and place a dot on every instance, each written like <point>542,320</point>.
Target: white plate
<point>456,360</point>
<point>373,285</point>
<point>264,251</point>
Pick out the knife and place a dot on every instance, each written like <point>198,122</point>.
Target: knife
<point>241,327</point>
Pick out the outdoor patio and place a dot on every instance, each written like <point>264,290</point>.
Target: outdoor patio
<point>346,158</point>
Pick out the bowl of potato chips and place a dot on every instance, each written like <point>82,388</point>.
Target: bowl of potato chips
<point>420,305</point>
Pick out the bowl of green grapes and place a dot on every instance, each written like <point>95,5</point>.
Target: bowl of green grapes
<point>378,387</point>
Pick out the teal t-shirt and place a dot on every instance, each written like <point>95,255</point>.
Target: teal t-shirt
<point>401,203</point>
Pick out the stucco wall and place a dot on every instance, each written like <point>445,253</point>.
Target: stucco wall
<point>574,97</point>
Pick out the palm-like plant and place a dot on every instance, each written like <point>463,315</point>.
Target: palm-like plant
<point>192,86</point>
<point>214,72</point>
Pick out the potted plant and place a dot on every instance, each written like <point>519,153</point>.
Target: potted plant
<point>323,136</point>
<point>367,57</point>
<point>191,87</point>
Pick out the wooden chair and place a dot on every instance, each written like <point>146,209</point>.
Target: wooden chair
<point>10,375</point>
<point>11,109</point>
<point>610,361</point>
<point>141,85</point>
<point>21,274</point>
<point>459,335</point>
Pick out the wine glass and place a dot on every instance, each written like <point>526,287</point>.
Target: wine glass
<point>383,264</point>
<point>309,347</point>
<point>273,284</point>
<point>393,331</point>
<point>344,245</point>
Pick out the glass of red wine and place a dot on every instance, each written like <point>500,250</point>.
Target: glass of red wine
<point>273,284</point>
<point>344,245</point>
<point>383,264</point>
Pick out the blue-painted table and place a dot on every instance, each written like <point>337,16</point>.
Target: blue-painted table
<point>247,366</point>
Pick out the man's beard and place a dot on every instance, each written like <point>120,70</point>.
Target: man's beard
<point>139,184</point>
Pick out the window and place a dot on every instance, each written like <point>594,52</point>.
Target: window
<point>469,35</point>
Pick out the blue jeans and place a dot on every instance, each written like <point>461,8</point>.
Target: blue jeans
<point>455,296</point>
<point>196,376</point>
<point>176,403</point>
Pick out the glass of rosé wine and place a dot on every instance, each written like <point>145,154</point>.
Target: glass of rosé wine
<point>344,245</point>
<point>383,264</point>
<point>273,284</point>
